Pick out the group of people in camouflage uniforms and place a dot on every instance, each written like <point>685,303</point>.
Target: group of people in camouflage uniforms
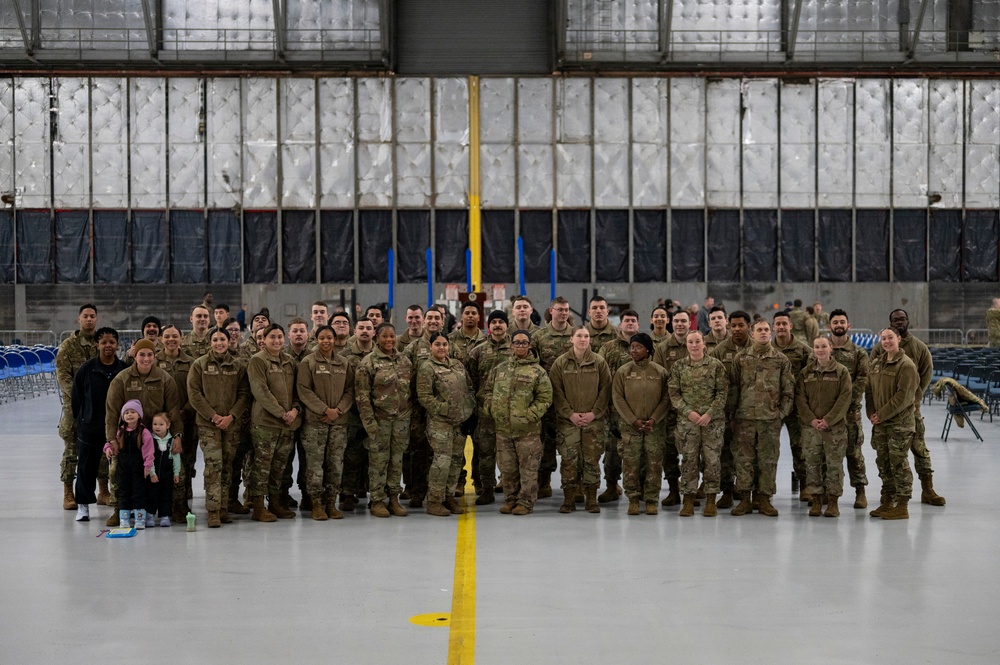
<point>385,415</point>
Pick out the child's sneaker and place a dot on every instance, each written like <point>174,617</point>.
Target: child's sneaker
<point>150,520</point>
<point>83,513</point>
<point>140,519</point>
<point>123,516</point>
<point>164,521</point>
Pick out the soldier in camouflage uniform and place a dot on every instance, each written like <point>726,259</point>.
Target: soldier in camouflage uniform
<point>699,387</point>
<point>417,459</point>
<point>993,323</point>
<point>600,328</point>
<point>521,310</point>
<point>174,361</point>
<point>822,397</point>
<point>518,393</point>
<point>382,393</point>
<point>918,352</point>
<point>444,389</point>
<point>481,361</point>
<point>218,391</point>
<point>804,326</point>
<point>75,350</point>
<point>581,395</point>
<point>765,391</point>
<point>718,331</point>
<point>549,343</point>
<point>616,354</point>
<point>196,343</point>
<point>354,482</point>
<point>640,395</point>
<point>725,352</point>
<point>856,361</point>
<point>325,386</point>
<point>298,349</point>
<point>414,326</point>
<point>276,414</point>
<point>893,381</point>
<point>666,354</point>
<point>460,343</point>
<point>660,320</point>
<point>797,352</point>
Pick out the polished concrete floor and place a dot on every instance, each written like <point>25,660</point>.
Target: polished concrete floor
<point>545,589</point>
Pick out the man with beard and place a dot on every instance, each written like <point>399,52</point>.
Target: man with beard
<point>856,361</point>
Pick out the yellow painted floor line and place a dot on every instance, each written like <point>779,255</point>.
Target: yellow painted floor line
<point>462,636</point>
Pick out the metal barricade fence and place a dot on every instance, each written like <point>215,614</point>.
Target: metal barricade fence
<point>28,337</point>
<point>939,336</point>
<point>977,337</point>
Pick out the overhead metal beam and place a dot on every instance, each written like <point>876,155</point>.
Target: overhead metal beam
<point>916,29</point>
<point>23,27</point>
<point>280,27</point>
<point>666,8</point>
<point>149,22</point>
<point>793,30</point>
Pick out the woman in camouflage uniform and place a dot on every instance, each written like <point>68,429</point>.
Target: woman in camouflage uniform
<point>175,362</point>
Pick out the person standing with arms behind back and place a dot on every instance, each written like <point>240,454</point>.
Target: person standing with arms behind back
<point>75,350</point>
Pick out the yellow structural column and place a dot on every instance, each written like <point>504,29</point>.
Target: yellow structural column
<point>475,218</point>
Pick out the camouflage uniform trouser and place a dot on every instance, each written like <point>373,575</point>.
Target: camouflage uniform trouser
<point>701,448</point>
<point>612,458</point>
<point>892,445</point>
<point>855,452</point>
<point>325,446</point>
<point>794,427</point>
<point>519,458</point>
<point>921,456</point>
<point>67,432</point>
<point>448,445</point>
<point>550,442</point>
<point>270,452</point>
<point>823,454</point>
<point>642,462</point>
<point>355,477</point>
<point>671,463</point>
<point>300,477</point>
<point>487,440</point>
<point>417,458</point>
<point>580,449</point>
<point>385,457</point>
<point>756,444</point>
<point>218,447</point>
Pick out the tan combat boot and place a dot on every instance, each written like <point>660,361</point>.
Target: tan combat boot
<point>612,493</point>
<point>213,519</point>
<point>860,500</point>
<point>897,512</point>
<point>927,493</point>
<point>397,509</point>
<point>687,510</point>
<point>569,502</point>
<point>816,506</point>
<point>378,509</point>
<point>523,510</point>
<point>260,513</point>
<point>726,500</point>
<point>437,509</point>
<point>651,508</point>
<point>278,509</point>
<point>710,509</point>
<point>508,507</point>
<point>318,510</point>
<point>832,509</point>
<point>766,508</point>
<point>633,506</point>
<point>237,508</point>
<point>744,507</point>
<point>331,508</point>
<point>224,516</point>
<point>114,520</point>
<point>883,507</point>
<point>673,496</point>
<point>453,506</point>
<point>103,493</point>
<point>592,505</point>
<point>69,503</point>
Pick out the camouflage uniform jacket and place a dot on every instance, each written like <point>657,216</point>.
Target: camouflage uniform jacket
<point>156,391</point>
<point>856,361</point>
<point>701,386</point>
<point>599,338</point>
<point>657,338</point>
<point>800,322</point>
<point>918,352</point>
<point>195,346</point>
<point>726,353</point>
<point>550,343</point>
<point>891,385</point>
<point>481,362</point>
<point>615,353</point>
<point>580,386</point>
<point>669,352</point>
<point>73,352</point>
<point>444,389</point>
<point>518,395</point>
<point>993,326</point>
<point>217,385</point>
<point>382,389</point>
<point>299,356</point>
<point>764,384</point>
<point>247,350</point>
<point>272,382</point>
<point>461,344</point>
<point>325,383</point>
<point>178,368</point>
<point>711,342</point>
<point>797,353</point>
<point>355,354</point>
<point>419,351</point>
<point>406,339</point>
<point>823,393</point>
<point>639,392</point>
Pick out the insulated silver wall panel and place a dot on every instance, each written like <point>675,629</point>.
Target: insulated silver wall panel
<point>148,142</point>
<point>982,150</point>
<point>413,175</point>
<point>573,176</point>
<point>631,25</point>
<point>871,143</point>
<point>332,24</point>
<point>6,136</point>
<point>413,110</point>
<point>497,155</point>
<point>611,143</point>
<point>986,21</point>
<point>611,175</point>
<point>946,109</point>
<point>10,35</point>
<point>337,148</point>
<point>186,143</point>
<point>260,143</point>
<point>109,145</point>
<point>535,153</point>
<point>31,145</point>
<point>688,139</point>
<point>798,145</point>
<point>71,144</point>
<point>496,111</point>
<point>909,143</point>
<point>760,143</point>
<point>413,137</point>
<point>534,110</point>
<point>740,25</point>
<point>498,166</point>
<point>573,149</point>
<point>649,142</point>
<point>722,142</point>
<point>375,165</point>
<point>535,175</point>
<point>451,142</point>
<point>190,25</point>
<point>573,111</point>
<point>225,140</point>
<point>835,143</point>
<point>298,143</point>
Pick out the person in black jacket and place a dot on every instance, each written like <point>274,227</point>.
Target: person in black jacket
<point>89,397</point>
